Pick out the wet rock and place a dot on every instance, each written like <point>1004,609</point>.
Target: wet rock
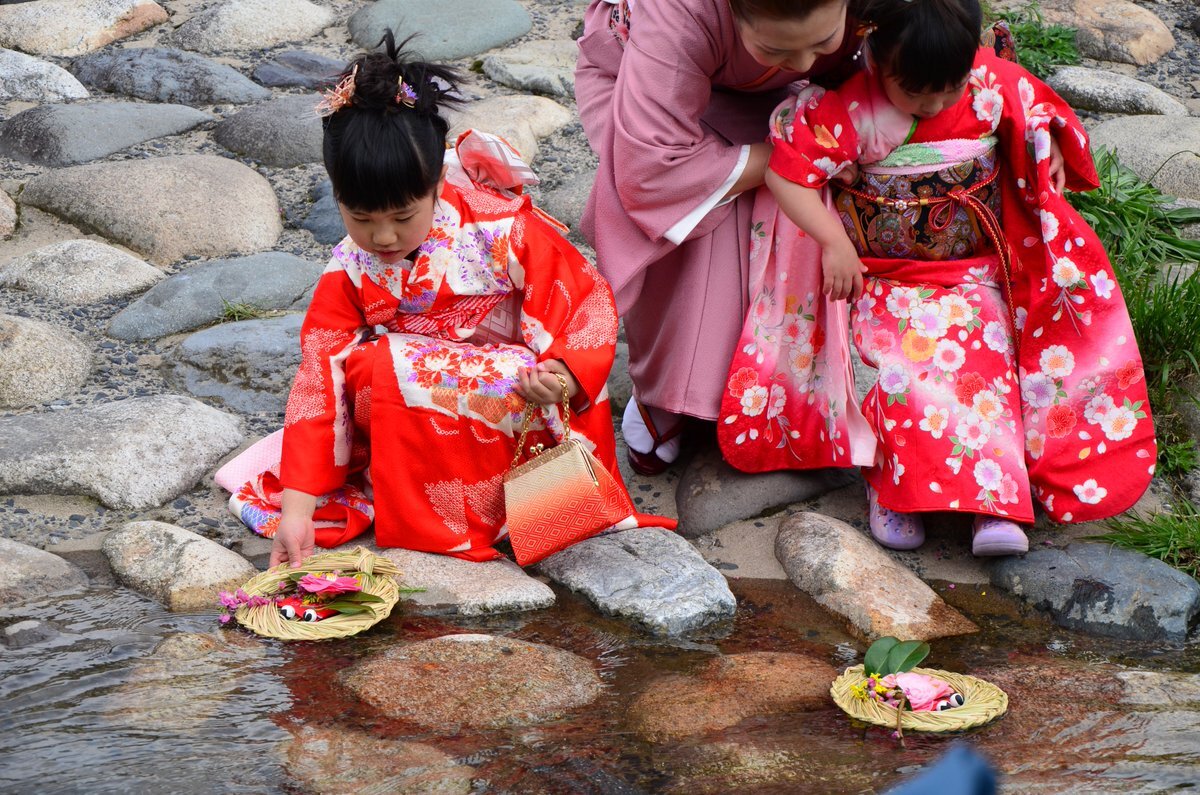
<point>63,135</point>
<point>786,764</point>
<point>251,25</point>
<point>728,690</point>
<point>284,132</point>
<point>1113,30</point>
<point>331,761</point>
<point>299,68</point>
<point>130,454</point>
<point>520,120</point>
<point>34,80</point>
<point>1107,92</point>
<point>540,67</point>
<point>27,574</point>
<point>161,74</point>
<point>713,494</point>
<point>74,27</point>
<point>8,216</point>
<point>566,200</point>
<point>848,574</point>
<point>476,681</point>
<point>1161,148</point>
<point>199,295</point>
<point>181,569</point>
<point>39,362</point>
<point>1104,590</point>
<point>28,633</point>
<point>466,588</point>
<point>446,30</point>
<point>1160,688</point>
<point>78,272</point>
<point>323,219</point>
<point>165,207</point>
<point>247,366</point>
<point>651,577</point>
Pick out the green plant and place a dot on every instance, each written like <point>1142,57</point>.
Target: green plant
<point>1172,536</point>
<point>1177,455</point>
<point>1040,47</point>
<point>231,310</point>
<point>892,656</point>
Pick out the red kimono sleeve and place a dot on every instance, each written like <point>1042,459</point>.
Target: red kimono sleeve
<point>813,138</point>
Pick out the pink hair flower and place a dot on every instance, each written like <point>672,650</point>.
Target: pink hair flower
<point>339,96</point>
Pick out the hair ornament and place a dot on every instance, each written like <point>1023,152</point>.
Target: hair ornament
<point>406,95</point>
<point>339,96</point>
<point>864,30</point>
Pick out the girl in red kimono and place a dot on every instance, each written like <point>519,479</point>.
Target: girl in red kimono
<point>1007,366</point>
<point>450,304</point>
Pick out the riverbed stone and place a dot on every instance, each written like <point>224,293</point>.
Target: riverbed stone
<point>335,760</point>
<point>299,68</point>
<point>28,633</point>
<point>64,135</point>
<point>468,589</point>
<point>74,27</point>
<point>848,574</point>
<point>27,573</point>
<point>163,74</point>
<point>199,295</point>
<point>284,132</point>
<point>1112,30</point>
<point>129,454</point>
<point>324,219</point>
<point>566,200</point>
<point>446,30</point>
<point>39,362</point>
<point>235,25</point>
<point>247,366</point>
<point>1104,590</point>
<point>539,67</point>
<point>520,120</point>
<point>34,80</point>
<point>1160,148</point>
<point>1108,92</point>
<point>78,272</point>
<point>165,207</point>
<point>1160,688</point>
<point>729,689</point>
<point>649,576</point>
<point>474,681</point>
<point>8,216</point>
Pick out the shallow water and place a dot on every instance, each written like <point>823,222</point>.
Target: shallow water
<point>98,710</point>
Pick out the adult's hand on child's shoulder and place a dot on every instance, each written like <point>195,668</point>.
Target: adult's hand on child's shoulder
<point>539,384</point>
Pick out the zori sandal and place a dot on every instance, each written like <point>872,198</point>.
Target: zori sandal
<point>664,447</point>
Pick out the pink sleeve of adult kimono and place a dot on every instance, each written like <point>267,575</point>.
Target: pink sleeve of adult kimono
<point>813,139</point>
<point>596,72</point>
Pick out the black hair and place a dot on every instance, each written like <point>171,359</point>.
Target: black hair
<point>925,45</point>
<point>383,150</point>
<point>751,10</point>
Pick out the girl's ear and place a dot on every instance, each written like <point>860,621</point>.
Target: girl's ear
<point>442,179</point>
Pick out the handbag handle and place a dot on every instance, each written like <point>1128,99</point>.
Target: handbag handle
<point>528,416</point>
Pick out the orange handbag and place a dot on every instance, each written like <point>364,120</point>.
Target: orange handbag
<point>559,497</point>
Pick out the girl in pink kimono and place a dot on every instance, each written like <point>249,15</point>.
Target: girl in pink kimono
<point>674,96</point>
<point>1007,367</point>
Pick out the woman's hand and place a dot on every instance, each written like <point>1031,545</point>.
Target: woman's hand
<point>538,384</point>
<point>842,269</point>
<point>295,536</point>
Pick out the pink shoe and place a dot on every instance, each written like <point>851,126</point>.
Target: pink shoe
<point>893,529</point>
<point>995,536</point>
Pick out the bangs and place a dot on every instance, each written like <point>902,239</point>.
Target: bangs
<point>378,161</point>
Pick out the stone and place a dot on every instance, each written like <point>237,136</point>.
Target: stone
<point>520,120</point>
<point>180,569</point>
<point>246,366</point>
<point>849,575</point>
<point>236,25</point>
<point>299,68</point>
<point>8,216</point>
<point>1108,92</point>
<point>649,576</point>
<point>1104,590</point>
<point>1160,148</point>
<point>468,589</point>
<point>539,67</point>
<point>28,633</point>
<point>284,132</point>
<point>729,689</point>
<point>744,549</point>
<point>74,27</point>
<point>161,74</point>
<point>446,30</point>
<point>324,219</point>
<point>39,362</point>
<point>566,200</point>
<point>28,574</point>
<point>336,760</point>
<point>130,454</point>
<point>199,295</point>
<point>31,79</point>
<point>713,494</point>
<point>64,135</point>
<point>78,272</point>
<point>1113,30</point>
<point>1160,688</point>
<point>165,207</point>
<point>474,681</point>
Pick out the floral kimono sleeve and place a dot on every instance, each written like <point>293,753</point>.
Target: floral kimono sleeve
<point>813,138</point>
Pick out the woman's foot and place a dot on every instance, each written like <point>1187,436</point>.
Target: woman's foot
<point>651,451</point>
<point>893,529</point>
<point>995,536</point>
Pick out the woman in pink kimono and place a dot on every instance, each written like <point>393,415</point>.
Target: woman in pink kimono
<point>674,96</point>
<point>1007,367</point>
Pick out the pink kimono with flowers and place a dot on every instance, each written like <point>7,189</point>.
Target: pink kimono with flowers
<point>959,417</point>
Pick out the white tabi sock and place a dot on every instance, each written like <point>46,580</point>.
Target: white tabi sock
<point>638,436</point>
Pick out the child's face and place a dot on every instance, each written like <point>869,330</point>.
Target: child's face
<point>923,104</point>
<point>394,233</point>
<point>795,44</point>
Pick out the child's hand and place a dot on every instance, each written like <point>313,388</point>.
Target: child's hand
<point>848,175</point>
<point>538,384</point>
<point>843,271</point>
<point>1058,170</point>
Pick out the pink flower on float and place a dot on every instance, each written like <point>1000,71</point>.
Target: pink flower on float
<point>923,692</point>
<point>328,585</point>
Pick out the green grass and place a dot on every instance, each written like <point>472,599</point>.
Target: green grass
<point>1172,536</point>
<point>232,311</point>
<point>1040,47</point>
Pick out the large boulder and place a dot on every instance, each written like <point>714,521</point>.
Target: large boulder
<point>1108,92</point>
<point>1113,30</point>
<point>247,366</point>
<point>8,216</point>
<point>331,760</point>
<point>445,30</point>
<point>39,362</point>
<point>34,80</point>
<point>299,68</point>
<point>520,120</point>
<point>160,74</point>
<point>78,272</point>
<point>74,27</point>
<point>27,573</point>
<point>1162,149</point>
<point>284,132</point>
<point>540,67</point>
<point>466,588</point>
<point>251,25</point>
<point>165,207</point>
<point>324,219</point>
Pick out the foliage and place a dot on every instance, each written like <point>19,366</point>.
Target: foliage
<point>1172,536</point>
<point>891,656</point>
<point>1040,47</point>
<point>231,310</point>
